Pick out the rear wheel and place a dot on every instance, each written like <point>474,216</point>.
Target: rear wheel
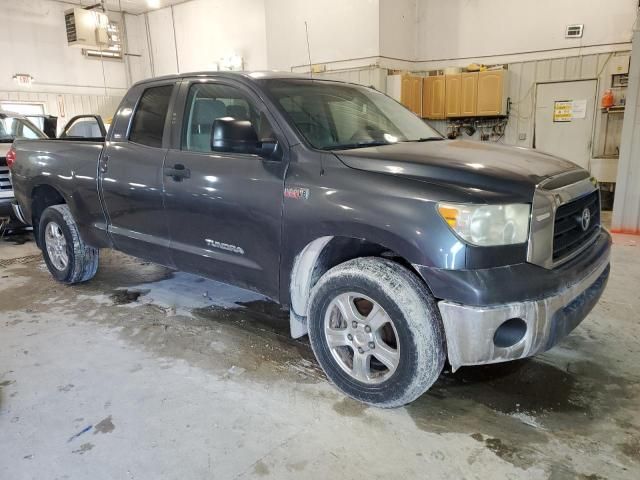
<point>67,257</point>
<point>376,331</point>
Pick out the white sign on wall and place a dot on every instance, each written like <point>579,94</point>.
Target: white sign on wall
<point>579,109</point>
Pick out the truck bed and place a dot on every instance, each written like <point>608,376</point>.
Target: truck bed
<point>71,168</point>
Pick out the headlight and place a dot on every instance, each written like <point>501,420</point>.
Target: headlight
<point>486,225</point>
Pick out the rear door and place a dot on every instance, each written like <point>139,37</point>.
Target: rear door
<point>131,173</point>
<point>224,215</point>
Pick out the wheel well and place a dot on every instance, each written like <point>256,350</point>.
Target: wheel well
<point>342,249</point>
<point>320,256</point>
<point>43,196</point>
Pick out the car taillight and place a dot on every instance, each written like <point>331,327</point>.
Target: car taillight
<point>11,157</point>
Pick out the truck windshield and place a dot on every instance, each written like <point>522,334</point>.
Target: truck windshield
<point>15,127</point>
<point>334,116</point>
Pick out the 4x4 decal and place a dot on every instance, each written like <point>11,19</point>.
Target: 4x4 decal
<point>296,193</point>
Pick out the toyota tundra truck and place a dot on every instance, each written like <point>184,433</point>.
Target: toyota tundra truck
<point>394,249</point>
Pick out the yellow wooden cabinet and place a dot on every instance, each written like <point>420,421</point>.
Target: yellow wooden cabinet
<point>453,95</point>
<point>468,94</point>
<point>434,88</point>
<point>427,97</point>
<point>492,88</point>
<point>411,93</point>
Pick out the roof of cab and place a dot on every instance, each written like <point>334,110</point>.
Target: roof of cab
<point>254,75</point>
<point>7,113</point>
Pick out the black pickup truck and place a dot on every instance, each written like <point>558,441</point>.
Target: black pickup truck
<point>393,248</point>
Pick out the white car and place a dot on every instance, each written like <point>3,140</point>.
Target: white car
<point>12,126</point>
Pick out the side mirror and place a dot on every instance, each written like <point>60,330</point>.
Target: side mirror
<point>268,147</point>
<point>235,136</point>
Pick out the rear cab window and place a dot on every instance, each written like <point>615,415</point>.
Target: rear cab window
<point>149,119</point>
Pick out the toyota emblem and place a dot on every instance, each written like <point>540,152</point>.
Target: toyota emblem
<point>585,221</point>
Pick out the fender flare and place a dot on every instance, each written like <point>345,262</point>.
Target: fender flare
<point>300,286</point>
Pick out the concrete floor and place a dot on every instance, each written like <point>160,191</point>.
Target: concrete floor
<point>146,374</point>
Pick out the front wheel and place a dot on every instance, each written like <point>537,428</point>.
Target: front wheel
<point>376,331</point>
<point>68,258</point>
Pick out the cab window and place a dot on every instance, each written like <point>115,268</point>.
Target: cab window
<point>147,127</point>
<point>208,102</point>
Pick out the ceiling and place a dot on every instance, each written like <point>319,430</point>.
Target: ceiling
<point>129,6</point>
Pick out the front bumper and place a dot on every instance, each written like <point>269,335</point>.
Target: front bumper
<point>471,331</point>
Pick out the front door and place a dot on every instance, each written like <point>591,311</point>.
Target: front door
<point>131,178</point>
<point>564,119</point>
<point>224,207</point>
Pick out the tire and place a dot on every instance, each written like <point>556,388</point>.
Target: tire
<point>60,240</point>
<point>401,369</point>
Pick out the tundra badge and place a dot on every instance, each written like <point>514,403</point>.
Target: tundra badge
<point>224,246</point>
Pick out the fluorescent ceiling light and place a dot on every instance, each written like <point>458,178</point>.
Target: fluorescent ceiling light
<point>153,3</point>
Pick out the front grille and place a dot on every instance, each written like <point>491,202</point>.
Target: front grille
<point>5,179</point>
<point>568,232</point>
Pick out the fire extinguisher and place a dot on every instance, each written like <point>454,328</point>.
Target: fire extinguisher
<point>607,99</point>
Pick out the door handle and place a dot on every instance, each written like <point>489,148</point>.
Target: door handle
<point>178,172</point>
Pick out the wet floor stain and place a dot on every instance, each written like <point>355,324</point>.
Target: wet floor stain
<point>264,326</point>
<point>66,388</point>
<point>631,449</point>
<point>523,403</point>
<point>122,271</point>
<point>261,469</point>
<point>297,466</point>
<point>264,315</point>
<point>506,452</point>
<point>126,295</point>
<point>84,448</point>
<point>350,408</point>
<point>104,426</point>
<point>6,383</point>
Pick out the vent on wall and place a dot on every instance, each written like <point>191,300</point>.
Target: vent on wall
<point>574,31</point>
<point>86,28</point>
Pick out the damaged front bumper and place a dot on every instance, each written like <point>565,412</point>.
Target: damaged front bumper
<point>479,335</point>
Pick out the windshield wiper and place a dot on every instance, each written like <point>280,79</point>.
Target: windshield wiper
<point>347,146</point>
<point>426,139</point>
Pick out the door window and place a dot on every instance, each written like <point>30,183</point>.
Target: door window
<point>12,128</point>
<point>148,121</point>
<point>84,128</point>
<point>208,102</point>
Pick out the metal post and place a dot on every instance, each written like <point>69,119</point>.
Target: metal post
<point>626,206</point>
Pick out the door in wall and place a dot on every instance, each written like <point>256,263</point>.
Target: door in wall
<point>564,119</point>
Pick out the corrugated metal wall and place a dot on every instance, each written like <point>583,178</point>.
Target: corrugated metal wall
<point>626,207</point>
<point>370,76</point>
<point>70,104</point>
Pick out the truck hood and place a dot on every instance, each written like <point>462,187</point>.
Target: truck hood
<point>480,169</point>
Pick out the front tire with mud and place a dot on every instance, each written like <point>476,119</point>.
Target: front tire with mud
<point>68,258</point>
<point>376,331</point>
